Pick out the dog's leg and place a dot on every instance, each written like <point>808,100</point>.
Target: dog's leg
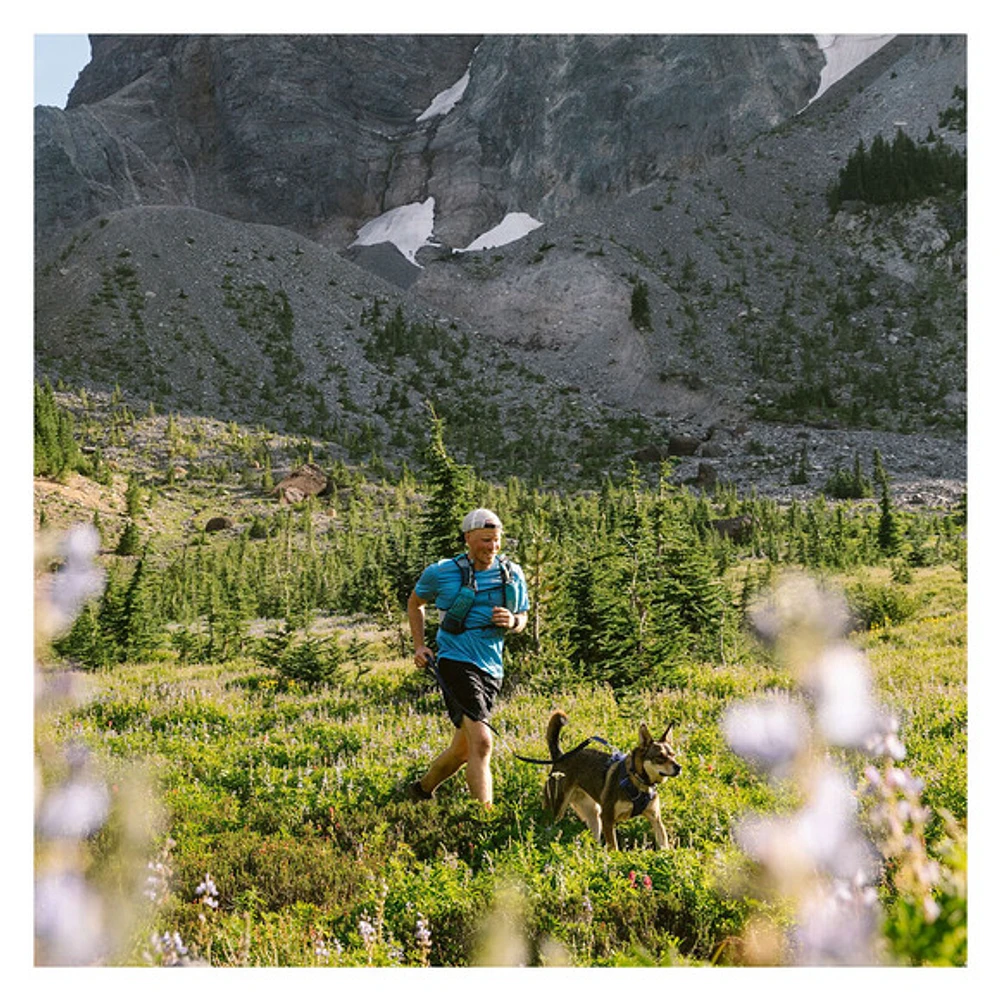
<point>588,810</point>
<point>652,813</point>
<point>608,819</point>
<point>610,837</point>
<point>554,795</point>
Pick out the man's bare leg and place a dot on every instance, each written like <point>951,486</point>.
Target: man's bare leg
<point>478,776</point>
<point>447,762</point>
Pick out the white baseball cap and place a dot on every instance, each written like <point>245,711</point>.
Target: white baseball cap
<point>480,518</point>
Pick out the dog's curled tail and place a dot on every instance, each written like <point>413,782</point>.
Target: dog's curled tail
<point>556,721</point>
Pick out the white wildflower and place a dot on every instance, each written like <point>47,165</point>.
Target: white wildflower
<point>74,811</point>
<point>769,733</point>
<point>78,580</point>
<point>69,920</point>
<point>836,926</point>
<point>208,891</point>
<point>841,682</point>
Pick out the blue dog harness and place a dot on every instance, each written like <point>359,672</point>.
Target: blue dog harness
<point>639,798</point>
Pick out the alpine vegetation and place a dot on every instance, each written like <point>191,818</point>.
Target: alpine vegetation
<point>651,349</point>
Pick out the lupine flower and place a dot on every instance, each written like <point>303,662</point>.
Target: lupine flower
<point>79,579</point>
<point>168,948</point>
<point>885,742</point>
<point>209,893</point>
<point>74,811</point>
<point>769,733</point>
<point>817,856</point>
<point>841,683</point>
<point>69,919</point>
<point>836,926</point>
<point>423,934</point>
<point>367,932</point>
<point>156,881</point>
<point>799,610</point>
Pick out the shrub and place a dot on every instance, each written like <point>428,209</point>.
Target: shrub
<point>311,661</point>
<point>880,605</point>
<point>640,314</point>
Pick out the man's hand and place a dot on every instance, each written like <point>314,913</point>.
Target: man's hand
<point>504,618</point>
<point>424,656</point>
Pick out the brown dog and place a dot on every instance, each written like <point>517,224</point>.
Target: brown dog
<point>604,789</point>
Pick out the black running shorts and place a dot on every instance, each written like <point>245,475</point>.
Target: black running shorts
<point>467,690</point>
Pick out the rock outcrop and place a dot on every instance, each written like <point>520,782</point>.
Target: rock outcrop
<point>306,481</point>
<point>321,133</point>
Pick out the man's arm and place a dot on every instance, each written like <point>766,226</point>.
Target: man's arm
<point>417,615</point>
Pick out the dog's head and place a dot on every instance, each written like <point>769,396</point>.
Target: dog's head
<point>657,756</point>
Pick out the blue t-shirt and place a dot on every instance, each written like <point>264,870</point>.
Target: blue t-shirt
<point>481,643</point>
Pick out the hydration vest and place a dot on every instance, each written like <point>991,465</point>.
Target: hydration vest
<point>456,613</point>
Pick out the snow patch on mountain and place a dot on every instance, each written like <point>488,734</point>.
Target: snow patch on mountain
<point>513,226</point>
<point>843,53</point>
<point>446,100</point>
<point>408,228</point>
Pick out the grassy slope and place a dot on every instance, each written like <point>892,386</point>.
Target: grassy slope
<point>291,800</point>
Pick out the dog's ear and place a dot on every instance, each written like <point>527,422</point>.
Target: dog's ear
<point>666,732</point>
<point>644,735</point>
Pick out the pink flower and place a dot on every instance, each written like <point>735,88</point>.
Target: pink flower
<point>647,881</point>
<point>631,878</point>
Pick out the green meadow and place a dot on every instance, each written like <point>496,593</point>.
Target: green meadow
<point>249,703</point>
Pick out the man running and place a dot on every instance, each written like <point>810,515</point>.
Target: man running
<point>482,595</point>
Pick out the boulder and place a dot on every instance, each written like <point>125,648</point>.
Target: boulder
<point>218,524</point>
<point>683,444</point>
<point>707,477</point>
<point>306,481</point>
<point>649,453</point>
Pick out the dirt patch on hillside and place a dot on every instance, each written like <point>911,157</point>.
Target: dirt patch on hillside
<point>77,499</point>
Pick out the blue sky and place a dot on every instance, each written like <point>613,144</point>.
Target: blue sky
<point>58,61</point>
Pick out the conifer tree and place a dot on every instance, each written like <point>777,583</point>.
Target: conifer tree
<point>56,451</point>
<point>890,534</point>
<point>137,629</point>
<point>580,615</point>
<point>128,542</point>
<point>450,485</point>
<point>82,642</point>
<point>106,649</point>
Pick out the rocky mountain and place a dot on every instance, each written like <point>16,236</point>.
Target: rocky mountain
<point>320,133</point>
<point>274,229</point>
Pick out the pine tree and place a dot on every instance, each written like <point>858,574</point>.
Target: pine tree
<point>56,451</point>
<point>137,629</point>
<point>640,313</point>
<point>129,541</point>
<point>133,496</point>
<point>580,614</point>
<point>890,533</point>
<point>450,486</point>
<point>82,643</point>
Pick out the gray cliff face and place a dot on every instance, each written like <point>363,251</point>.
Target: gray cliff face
<point>299,131</point>
<point>319,133</point>
<point>549,125</point>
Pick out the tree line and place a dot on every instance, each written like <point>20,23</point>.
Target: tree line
<point>898,171</point>
<point>627,583</point>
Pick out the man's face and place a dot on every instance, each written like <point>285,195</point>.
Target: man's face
<point>483,544</point>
